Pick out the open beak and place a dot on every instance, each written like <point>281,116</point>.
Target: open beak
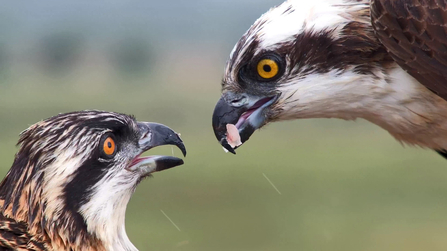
<point>153,135</point>
<point>247,113</point>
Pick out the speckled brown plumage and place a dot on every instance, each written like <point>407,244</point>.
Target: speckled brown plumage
<point>15,236</point>
<point>24,214</point>
<point>414,32</point>
<point>67,189</point>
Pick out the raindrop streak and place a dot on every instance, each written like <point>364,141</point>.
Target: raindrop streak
<point>271,183</point>
<point>170,220</point>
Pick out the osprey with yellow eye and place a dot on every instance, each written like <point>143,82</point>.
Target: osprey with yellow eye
<point>379,60</point>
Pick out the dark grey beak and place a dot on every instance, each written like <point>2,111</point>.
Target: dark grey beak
<point>246,112</point>
<point>224,114</point>
<point>153,135</point>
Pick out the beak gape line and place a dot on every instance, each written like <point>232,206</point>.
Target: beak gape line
<point>153,135</point>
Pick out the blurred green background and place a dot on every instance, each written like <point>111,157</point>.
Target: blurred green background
<point>341,185</point>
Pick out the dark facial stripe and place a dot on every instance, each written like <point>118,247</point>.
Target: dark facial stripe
<point>78,191</point>
<point>319,52</point>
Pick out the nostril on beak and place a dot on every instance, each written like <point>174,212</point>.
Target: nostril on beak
<point>144,135</point>
<point>239,101</point>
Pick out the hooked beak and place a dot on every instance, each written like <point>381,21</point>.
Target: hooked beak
<point>153,135</point>
<point>247,113</point>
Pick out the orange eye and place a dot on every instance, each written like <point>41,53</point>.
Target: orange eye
<point>109,146</point>
<point>267,68</point>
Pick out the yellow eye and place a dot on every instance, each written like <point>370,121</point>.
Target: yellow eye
<point>109,146</point>
<point>267,68</point>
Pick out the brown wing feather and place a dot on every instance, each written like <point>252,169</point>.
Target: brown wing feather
<point>14,236</point>
<point>414,32</point>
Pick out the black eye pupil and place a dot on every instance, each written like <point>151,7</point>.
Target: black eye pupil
<point>267,68</point>
<point>109,144</point>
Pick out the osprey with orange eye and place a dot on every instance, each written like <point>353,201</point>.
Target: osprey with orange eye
<point>108,146</point>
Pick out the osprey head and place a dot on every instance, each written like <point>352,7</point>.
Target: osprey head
<point>301,59</point>
<point>75,173</point>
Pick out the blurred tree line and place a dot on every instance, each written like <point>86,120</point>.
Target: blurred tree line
<point>61,52</point>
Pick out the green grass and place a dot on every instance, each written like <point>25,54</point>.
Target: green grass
<point>344,185</point>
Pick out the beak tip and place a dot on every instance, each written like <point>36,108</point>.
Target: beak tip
<point>227,146</point>
<point>181,145</point>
